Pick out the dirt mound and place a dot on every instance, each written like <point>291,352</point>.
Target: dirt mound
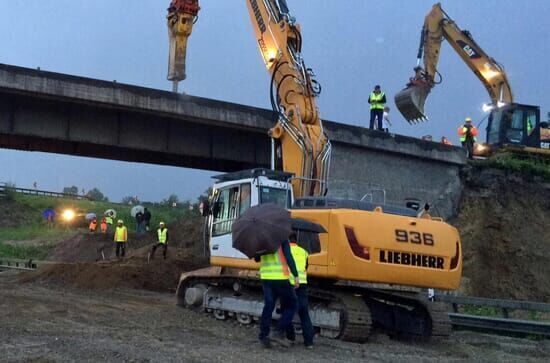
<point>134,272</point>
<point>504,223</point>
<point>90,247</point>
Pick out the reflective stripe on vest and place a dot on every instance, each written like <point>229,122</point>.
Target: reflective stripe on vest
<point>376,101</point>
<point>120,234</point>
<point>273,266</point>
<point>300,259</point>
<point>162,233</point>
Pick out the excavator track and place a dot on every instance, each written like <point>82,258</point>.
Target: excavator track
<point>337,312</point>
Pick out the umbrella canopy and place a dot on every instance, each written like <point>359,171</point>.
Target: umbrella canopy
<point>110,212</point>
<point>307,234</point>
<point>261,230</point>
<point>90,216</point>
<point>135,210</point>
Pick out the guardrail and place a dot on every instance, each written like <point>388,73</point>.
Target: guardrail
<point>4,187</point>
<point>17,264</point>
<point>499,324</point>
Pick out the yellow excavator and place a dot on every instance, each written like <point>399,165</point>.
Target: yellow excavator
<point>510,124</point>
<point>369,248</point>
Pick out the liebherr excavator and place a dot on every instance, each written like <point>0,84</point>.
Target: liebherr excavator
<point>509,123</point>
<point>366,242</point>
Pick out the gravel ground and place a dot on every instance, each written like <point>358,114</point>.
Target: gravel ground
<point>43,323</point>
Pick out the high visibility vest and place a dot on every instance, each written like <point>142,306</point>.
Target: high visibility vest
<point>121,234</point>
<point>162,234</point>
<point>376,101</point>
<point>463,132</point>
<point>274,266</point>
<point>93,225</point>
<point>300,258</point>
<point>109,220</point>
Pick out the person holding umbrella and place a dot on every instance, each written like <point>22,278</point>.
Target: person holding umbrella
<point>275,276</point>
<point>262,233</point>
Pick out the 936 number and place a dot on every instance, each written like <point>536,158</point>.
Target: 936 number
<point>402,235</point>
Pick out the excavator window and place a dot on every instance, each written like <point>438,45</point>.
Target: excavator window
<point>278,196</point>
<point>226,211</point>
<point>244,198</point>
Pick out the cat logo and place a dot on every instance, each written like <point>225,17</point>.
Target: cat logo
<point>467,48</point>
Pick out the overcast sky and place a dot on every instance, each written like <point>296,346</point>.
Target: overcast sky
<point>351,44</point>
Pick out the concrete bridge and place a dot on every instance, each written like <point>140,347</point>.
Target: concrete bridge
<point>52,112</point>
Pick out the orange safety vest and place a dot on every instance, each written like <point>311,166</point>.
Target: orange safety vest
<point>103,226</point>
<point>93,225</point>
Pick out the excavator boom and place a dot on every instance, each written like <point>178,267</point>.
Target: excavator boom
<point>438,26</point>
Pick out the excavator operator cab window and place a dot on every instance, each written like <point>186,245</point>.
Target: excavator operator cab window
<point>514,126</point>
<point>278,196</point>
<point>231,203</point>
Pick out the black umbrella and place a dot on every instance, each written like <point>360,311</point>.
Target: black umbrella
<point>307,234</point>
<point>261,230</point>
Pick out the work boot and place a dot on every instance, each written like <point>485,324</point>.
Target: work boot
<point>266,343</point>
<point>280,338</point>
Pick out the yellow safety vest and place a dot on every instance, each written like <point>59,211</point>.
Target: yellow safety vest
<point>300,258</point>
<point>109,220</point>
<point>274,266</point>
<point>376,101</point>
<point>162,233</point>
<point>121,234</point>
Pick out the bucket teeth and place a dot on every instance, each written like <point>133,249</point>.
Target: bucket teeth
<point>410,102</point>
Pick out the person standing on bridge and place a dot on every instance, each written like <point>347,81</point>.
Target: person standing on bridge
<point>377,101</point>
<point>468,133</point>
<point>121,238</point>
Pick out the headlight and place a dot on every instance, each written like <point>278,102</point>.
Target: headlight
<point>68,215</point>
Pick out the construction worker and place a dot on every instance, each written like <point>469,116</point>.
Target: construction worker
<point>121,238</point>
<point>109,221</point>
<point>103,225</point>
<point>445,141</point>
<point>468,133</point>
<point>93,225</point>
<point>162,240</point>
<point>377,101</point>
<point>274,273</point>
<point>300,256</point>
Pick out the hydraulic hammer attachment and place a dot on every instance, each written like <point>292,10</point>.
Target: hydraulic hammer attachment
<point>410,102</point>
<point>181,17</point>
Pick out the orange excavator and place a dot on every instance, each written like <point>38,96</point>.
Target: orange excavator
<point>370,247</point>
<point>511,125</point>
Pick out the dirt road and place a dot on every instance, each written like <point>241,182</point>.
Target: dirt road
<point>43,323</point>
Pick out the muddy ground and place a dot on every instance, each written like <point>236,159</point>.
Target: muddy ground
<point>53,322</point>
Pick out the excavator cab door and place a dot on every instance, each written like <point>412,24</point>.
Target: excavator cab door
<point>514,124</point>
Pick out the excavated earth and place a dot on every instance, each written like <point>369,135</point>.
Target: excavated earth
<point>504,223</point>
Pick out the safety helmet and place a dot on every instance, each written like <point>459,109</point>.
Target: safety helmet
<point>468,119</point>
<point>120,221</point>
<point>161,224</point>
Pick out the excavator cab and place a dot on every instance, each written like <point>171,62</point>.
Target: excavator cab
<point>514,124</point>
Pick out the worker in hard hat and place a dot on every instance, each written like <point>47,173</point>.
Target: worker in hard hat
<point>121,238</point>
<point>162,241</point>
<point>93,225</point>
<point>467,133</point>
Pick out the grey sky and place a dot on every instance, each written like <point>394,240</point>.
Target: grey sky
<point>351,45</point>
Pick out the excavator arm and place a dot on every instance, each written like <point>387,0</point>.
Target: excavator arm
<point>438,26</point>
<point>299,143</point>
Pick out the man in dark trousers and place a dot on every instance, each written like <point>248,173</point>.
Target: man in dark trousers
<point>162,241</point>
<point>377,101</point>
<point>300,256</point>
<point>147,219</point>
<point>467,133</point>
<point>275,276</point>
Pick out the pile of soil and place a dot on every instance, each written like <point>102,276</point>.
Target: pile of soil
<point>133,272</point>
<point>80,261</point>
<point>504,222</point>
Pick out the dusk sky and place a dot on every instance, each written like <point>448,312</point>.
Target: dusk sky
<point>351,45</point>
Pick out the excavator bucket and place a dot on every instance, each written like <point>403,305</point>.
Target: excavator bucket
<point>410,102</point>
